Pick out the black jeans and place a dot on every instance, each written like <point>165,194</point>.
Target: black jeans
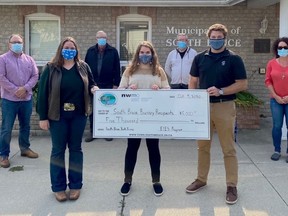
<point>131,158</point>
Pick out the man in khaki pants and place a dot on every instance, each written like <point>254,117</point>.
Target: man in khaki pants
<point>223,74</point>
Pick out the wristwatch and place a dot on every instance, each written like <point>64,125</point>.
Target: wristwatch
<point>221,92</point>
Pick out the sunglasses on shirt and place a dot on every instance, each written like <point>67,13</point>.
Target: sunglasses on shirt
<point>282,47</point>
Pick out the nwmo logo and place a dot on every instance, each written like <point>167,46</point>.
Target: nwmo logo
<point>126,95</point>
<point>129,95</point>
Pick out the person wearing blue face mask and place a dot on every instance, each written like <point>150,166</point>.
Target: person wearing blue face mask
<point>18,76</point>
<point>144,72</point>
<point>276,82</point>
<point>104,62</point>
<point>222,73</point>
<point>178,63</point>
<point>65,88</point>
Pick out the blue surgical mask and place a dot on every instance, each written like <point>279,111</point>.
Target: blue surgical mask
<point>102,41</point>
<point>69,54</point>
<point>181,44</point>
<point>217,44</point>
<point>17,48</point>
<point>282,52</point>
<point>145,59</point>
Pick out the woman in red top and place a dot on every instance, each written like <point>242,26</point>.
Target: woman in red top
<point>277,84</point>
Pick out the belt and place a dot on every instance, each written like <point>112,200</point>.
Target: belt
<point>69,107</point>
<point>220,100</point>
<point>179,86</point>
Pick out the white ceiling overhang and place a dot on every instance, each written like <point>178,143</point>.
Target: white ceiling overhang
<point>135,3</point>
<point>145,3</point>
<point>261,3</point>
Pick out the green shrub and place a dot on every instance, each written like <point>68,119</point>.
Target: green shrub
<point>247,99</point>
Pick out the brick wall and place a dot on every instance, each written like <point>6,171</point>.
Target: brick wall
<point>83,22</point>
<point>35,130</point>
<point>248,117</point>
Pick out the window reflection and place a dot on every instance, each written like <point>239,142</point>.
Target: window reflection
<point>44,39</point>
<point>131,33</point>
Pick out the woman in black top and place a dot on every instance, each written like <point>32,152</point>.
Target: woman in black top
<point>65,87</point>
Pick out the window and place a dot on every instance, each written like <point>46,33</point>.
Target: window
<point>42,36</point>
<point>131,29</point>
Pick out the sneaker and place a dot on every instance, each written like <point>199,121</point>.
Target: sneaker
<point>4,162</point>
<point>125,189</point>
<point>231,195</point>
<point>89,138</point>
<point>195,186</point>
<point>29,153</point>
<point>108,139</point>
<point>158,189</point>
<point>275,156</point>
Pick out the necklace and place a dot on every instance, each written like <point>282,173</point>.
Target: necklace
<point>283,74</point>
<point>283,64</point>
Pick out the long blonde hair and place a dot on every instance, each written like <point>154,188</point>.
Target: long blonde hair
<point>156,67</point>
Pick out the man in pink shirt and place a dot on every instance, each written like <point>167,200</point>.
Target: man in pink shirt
<point>18,75</point>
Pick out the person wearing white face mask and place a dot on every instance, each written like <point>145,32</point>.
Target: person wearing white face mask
<point>104,62</point>
<point>276,82</point>
<point>18,76</point>
<point>178,63</point>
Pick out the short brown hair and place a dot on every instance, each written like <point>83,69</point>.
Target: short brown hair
<point>217,27</point>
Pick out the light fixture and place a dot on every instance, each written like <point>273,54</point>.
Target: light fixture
<point>264,25</point>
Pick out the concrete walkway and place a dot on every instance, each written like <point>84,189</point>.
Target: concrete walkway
<point>263,187</point>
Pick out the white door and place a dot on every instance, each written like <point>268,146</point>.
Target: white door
<point>131,29</point>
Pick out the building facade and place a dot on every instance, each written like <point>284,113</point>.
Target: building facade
<point>252,29</point>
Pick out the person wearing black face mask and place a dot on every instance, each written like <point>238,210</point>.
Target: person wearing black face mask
<point>222,73</point>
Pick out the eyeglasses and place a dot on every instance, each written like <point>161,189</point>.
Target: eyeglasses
<point>15,42</point>
<point>282,47</point>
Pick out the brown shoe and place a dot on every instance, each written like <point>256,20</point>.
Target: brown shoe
<point>195,186</point>
<point>4,162</point>
<point>61,196</point>
<point>89,138</point>
<point>29,153</point>
<point>231,195</point>
<point>74,194</point>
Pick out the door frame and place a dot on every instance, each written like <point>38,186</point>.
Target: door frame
<point>131,17</point>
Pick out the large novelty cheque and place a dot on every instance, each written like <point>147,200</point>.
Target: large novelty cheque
<point>164,114</point>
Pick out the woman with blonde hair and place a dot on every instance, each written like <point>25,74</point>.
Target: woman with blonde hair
<point>144,72</point>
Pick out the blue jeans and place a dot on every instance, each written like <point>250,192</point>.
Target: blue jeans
<point>278,112</point>
<point>68,131</point>
<point>11,109</point>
